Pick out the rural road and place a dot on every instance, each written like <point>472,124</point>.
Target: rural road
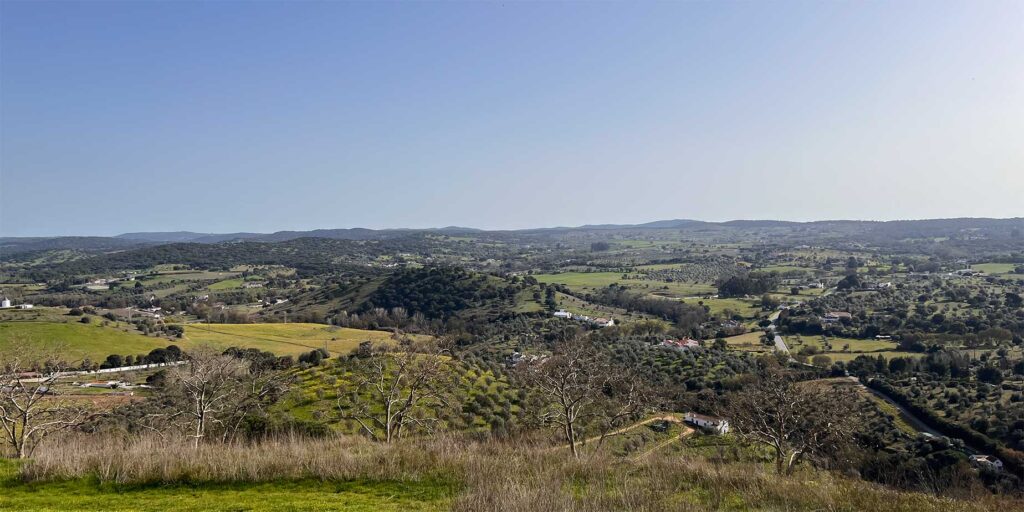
<point>670,418</point>
<point>780,344</point>
<point>685,433</point>
<point>102,371</point>
<point>913,420</point>
<point>910,417</point>
<point>584,442</point>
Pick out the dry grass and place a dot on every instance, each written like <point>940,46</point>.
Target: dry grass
<point>150,460</point>
<point>495,476</point>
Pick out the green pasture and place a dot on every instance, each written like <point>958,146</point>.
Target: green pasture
<point>78,340</point>
<point>227,284</point>
<point>356,495</point>
<point>995,268</point>
<point>167,277</point>
<point>282,339</point>
<point>585,280</point>
<point>749,342</point>
<point>856,345</point>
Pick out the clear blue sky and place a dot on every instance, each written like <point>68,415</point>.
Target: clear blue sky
<point>262,116</point>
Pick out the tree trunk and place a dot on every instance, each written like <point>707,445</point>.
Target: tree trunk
<point>780,460</point>
<point>570,435</point>
<point>794,459</point>
<point>21,441</point>
<point>200,427</point>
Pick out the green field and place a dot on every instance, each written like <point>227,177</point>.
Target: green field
<point>81,340</point>
<point>744,307</point>
<point>584,280</point>
<point>96,341</point>
<point>785,268</point>
<point>227,284</point>
<point>856,345</point>
<point>282,339</point>
<point>995,268</point>
<point>749,342</point>
<point>183,276</point>
<point>356,496</point>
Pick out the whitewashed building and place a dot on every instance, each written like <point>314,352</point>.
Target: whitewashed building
<point>717,425</point>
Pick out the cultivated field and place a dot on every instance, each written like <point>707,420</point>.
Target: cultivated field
<point>281,339</point>
<point>78,340</point>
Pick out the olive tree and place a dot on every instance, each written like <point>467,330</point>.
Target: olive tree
<point>395,388</point>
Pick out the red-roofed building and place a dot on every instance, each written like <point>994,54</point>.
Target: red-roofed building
<point>682,343</point>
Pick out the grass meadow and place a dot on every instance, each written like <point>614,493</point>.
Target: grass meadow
<point>78,340</point>
<point>994,268</point>
<point>281,339</point>
<point>96,341</point>
<point>579,281</point>
<point>440,473</point>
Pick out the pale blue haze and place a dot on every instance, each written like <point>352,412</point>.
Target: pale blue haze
<point>263,116</point>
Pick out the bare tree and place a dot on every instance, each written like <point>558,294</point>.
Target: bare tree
<point>627,399</point>
<point>395,387</point>
<point>262,386</point>
<point>30,409</point>
<point>212,384</point>
<point>796,420</point>
<point>571,383</point>
<point>210,396</point>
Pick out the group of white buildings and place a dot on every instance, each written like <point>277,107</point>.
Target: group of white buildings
<point>597,322</point>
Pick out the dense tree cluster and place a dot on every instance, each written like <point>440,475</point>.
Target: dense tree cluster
<point>687,317</point>
<point>437,292</point>
<point>754,283</point>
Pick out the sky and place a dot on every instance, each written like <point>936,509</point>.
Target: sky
<point>263,116</point>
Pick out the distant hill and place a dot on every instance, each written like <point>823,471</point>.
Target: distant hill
<point>168,236</point>
<point>760,223</point>
<point>18,245</point>
<point>1005,228</point>
<point>187,236</point>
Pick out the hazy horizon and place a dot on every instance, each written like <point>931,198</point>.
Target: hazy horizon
<point>468,226</point>
<point>225,117</point>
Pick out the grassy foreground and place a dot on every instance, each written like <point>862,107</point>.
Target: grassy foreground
<point>83,495</point>
<point>350,473</point>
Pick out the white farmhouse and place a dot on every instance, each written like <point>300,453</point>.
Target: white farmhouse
<point>717,425</point>
<point>563,314</point>
<point>5,302</point>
